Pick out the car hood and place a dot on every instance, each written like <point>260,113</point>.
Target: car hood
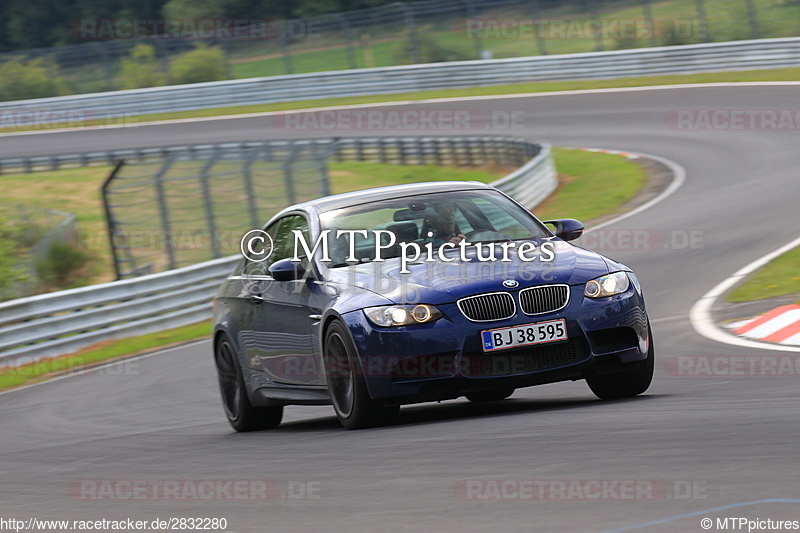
<point>438,282</point>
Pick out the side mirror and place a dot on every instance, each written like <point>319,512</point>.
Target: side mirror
<point>286,270</point>
<point>568,229</point>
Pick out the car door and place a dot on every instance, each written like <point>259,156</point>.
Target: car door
<point>282,342</point>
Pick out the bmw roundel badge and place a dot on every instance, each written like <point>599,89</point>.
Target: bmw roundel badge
<point>510,283</point>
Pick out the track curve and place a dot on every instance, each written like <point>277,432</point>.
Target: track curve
<point>731,438</point>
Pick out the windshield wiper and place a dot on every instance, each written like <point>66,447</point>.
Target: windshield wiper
<point>352,263</point>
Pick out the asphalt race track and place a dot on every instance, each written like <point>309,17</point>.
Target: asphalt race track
<point>692,445</point>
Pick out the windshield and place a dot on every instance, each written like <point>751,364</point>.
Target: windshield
<point>451,217</point>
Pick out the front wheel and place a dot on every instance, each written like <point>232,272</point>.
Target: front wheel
<point>346,385</point>
<point>241,414</point>
<point>627,383</point>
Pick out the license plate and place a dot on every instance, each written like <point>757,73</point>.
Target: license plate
<point>524,335</point>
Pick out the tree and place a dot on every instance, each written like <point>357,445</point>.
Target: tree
<point>141,68</point>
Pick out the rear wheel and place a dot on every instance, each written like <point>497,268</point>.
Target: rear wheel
<point>627,383</point>
<point>348,390</point>
<point>489,395</point>
<point>241,414</point>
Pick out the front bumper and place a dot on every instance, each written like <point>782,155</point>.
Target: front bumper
<point>445,359</point>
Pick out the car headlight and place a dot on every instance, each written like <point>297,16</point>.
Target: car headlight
<point>402,315</point>
<point>608,285</point>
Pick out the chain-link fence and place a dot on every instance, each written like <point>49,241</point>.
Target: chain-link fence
<point>414,32</point>
<point>195,204</point>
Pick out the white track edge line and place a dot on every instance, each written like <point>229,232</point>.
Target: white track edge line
<point>94,368</point>
<point>700,314</point>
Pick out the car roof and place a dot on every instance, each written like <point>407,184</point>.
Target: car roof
<point>338,201</point>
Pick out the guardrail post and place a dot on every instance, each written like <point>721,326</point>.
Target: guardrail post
<point>752,15</point>
<point>287,53</point>
<point>247,176</point>
<point>412,31</point>
<point>591,5</point>
<point>208,205</point>
<point>648,16</point>
<point>476,39</point>
<point>348,41</point>
<point>111,224</point>
<point>540,42</point>
<point>359,150</point>
<point>468,152</point>
<point>401,151</point>
<point>381,151</point>
<point>703,20</point>
<point>288,178</point>
<point>164,211</point>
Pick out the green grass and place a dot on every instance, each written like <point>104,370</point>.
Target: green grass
<point>786,74</point>
<point>779,277</point>
<point>591,185</point>
<point>103,352</point>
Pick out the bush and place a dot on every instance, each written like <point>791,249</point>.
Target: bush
<point>141,68</point>
<point>37,78</point>
<point>10,258</point>
<point>430,50</point>
<point>201,64</point>
<point>61,266</point>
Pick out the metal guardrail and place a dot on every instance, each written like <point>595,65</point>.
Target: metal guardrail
<point>52,324</point>
<point>48,325</point>
<point>382,150</point>
<point>685,59</point>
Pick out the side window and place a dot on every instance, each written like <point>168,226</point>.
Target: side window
<point>283,237</point>
<point>502,220</point>
<point>462,223</point>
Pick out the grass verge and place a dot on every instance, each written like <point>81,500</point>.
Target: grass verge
<point>591,185</point>
<point>101,353</point>
<point>584,176</point>
<point>779,277</point>
<point>786,74</point>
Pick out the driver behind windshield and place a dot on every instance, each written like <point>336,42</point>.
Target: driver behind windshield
<point>442,225</point>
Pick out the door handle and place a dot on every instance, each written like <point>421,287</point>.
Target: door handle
<point>256,298</point>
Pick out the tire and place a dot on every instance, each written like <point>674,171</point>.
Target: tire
<point>346,385</point>
<point>627,383</point>
<point>241,414</point>
<point>489,395</point>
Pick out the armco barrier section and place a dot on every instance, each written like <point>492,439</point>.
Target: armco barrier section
<point>685,59</point>
<point>48,325</point>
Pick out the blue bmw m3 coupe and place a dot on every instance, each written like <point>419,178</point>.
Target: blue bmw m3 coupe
<point>377,298</point>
